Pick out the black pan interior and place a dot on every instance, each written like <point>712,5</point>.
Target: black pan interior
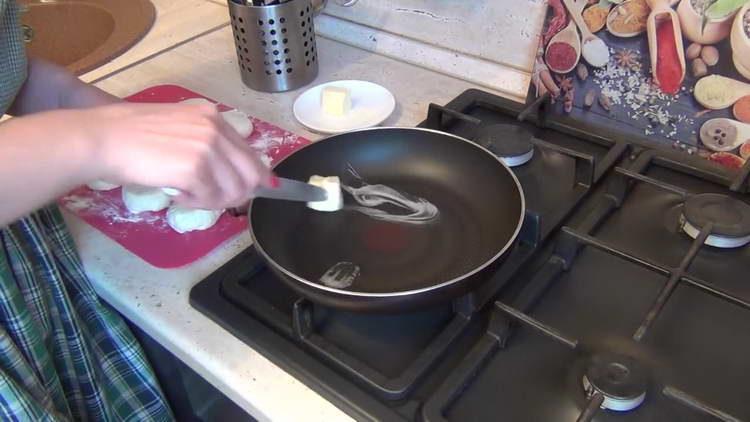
<point>479,201</point>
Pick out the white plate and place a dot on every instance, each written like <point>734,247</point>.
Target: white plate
<point>371,105</point>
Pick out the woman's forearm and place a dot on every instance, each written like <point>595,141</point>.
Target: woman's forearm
<point>45,154</point>
<point>188,147</point>
<point>49,87</point>
<point>40,163</point>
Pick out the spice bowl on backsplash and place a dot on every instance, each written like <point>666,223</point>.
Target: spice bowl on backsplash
<point>628,19</point>
<point>740,41</point>
<point>564,50</point>
<point>691,22</point>
<point>665,47</point>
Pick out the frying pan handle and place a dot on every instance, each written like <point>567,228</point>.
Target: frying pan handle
<point>302,319</point>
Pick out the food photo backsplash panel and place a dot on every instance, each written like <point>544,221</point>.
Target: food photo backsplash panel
<point>684,83</point>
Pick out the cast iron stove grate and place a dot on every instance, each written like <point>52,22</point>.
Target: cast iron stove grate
<point>388,367</point>
<point>629,367</point>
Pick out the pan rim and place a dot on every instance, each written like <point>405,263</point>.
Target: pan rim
<point>402,293</point>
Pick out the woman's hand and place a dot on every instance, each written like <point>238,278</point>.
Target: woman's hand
<point>187,147</point>
<point>46,153</point>
<point>182,146</point>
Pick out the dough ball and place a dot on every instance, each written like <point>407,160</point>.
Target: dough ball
<point>141,199</point>
<point>239,122</point>
<point>332,186</point>
<point>236,119</point>
<point>197,101</point>
<point>184,220</point>
<point>102,185</point>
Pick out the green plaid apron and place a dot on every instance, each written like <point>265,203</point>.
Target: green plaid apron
<point>64,353</point>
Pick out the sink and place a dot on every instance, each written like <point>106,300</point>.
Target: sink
<point>84,34</point>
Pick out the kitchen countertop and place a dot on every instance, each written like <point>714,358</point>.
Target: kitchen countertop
<point>156,299</point>
<point>177,21</point>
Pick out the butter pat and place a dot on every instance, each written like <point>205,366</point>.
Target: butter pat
<point>335,101</point>
<point>332,186</point>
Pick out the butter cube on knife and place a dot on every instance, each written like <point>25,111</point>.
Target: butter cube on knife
<point>332,186</point>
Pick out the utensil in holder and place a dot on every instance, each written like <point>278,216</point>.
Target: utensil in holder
<point>276,48</point>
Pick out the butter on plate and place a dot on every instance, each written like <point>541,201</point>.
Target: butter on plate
<point>335,100</point>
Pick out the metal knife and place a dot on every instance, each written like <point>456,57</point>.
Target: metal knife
<point>292,190</point>
<point>284,189</point>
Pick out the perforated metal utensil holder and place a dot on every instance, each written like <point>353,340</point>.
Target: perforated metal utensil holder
<point>275,44</point>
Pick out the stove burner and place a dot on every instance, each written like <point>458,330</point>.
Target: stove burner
<point>511,143</point>
<point>620,379</point>
<point>731,219</point>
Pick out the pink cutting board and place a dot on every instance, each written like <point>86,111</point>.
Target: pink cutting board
<point>147,234</point>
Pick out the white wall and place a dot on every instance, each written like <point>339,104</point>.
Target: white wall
<point>452,36</point>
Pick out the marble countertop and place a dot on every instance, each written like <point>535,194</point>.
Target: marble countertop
<point>156,299</point>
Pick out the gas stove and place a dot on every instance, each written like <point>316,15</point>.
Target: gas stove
<point>626,298</point>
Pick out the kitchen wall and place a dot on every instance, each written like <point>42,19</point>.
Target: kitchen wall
<point>490,42</point>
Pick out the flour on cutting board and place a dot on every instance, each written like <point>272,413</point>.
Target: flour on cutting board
<point>112,210</point>
<point>268,140</point>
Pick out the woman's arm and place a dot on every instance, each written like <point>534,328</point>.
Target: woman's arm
<point>46,153</point>
<point>50,87</point>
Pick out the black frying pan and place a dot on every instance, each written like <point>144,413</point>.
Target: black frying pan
<point>401,266</point>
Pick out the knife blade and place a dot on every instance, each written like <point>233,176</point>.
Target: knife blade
<point>292,190</point>
<point>284,189</point>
